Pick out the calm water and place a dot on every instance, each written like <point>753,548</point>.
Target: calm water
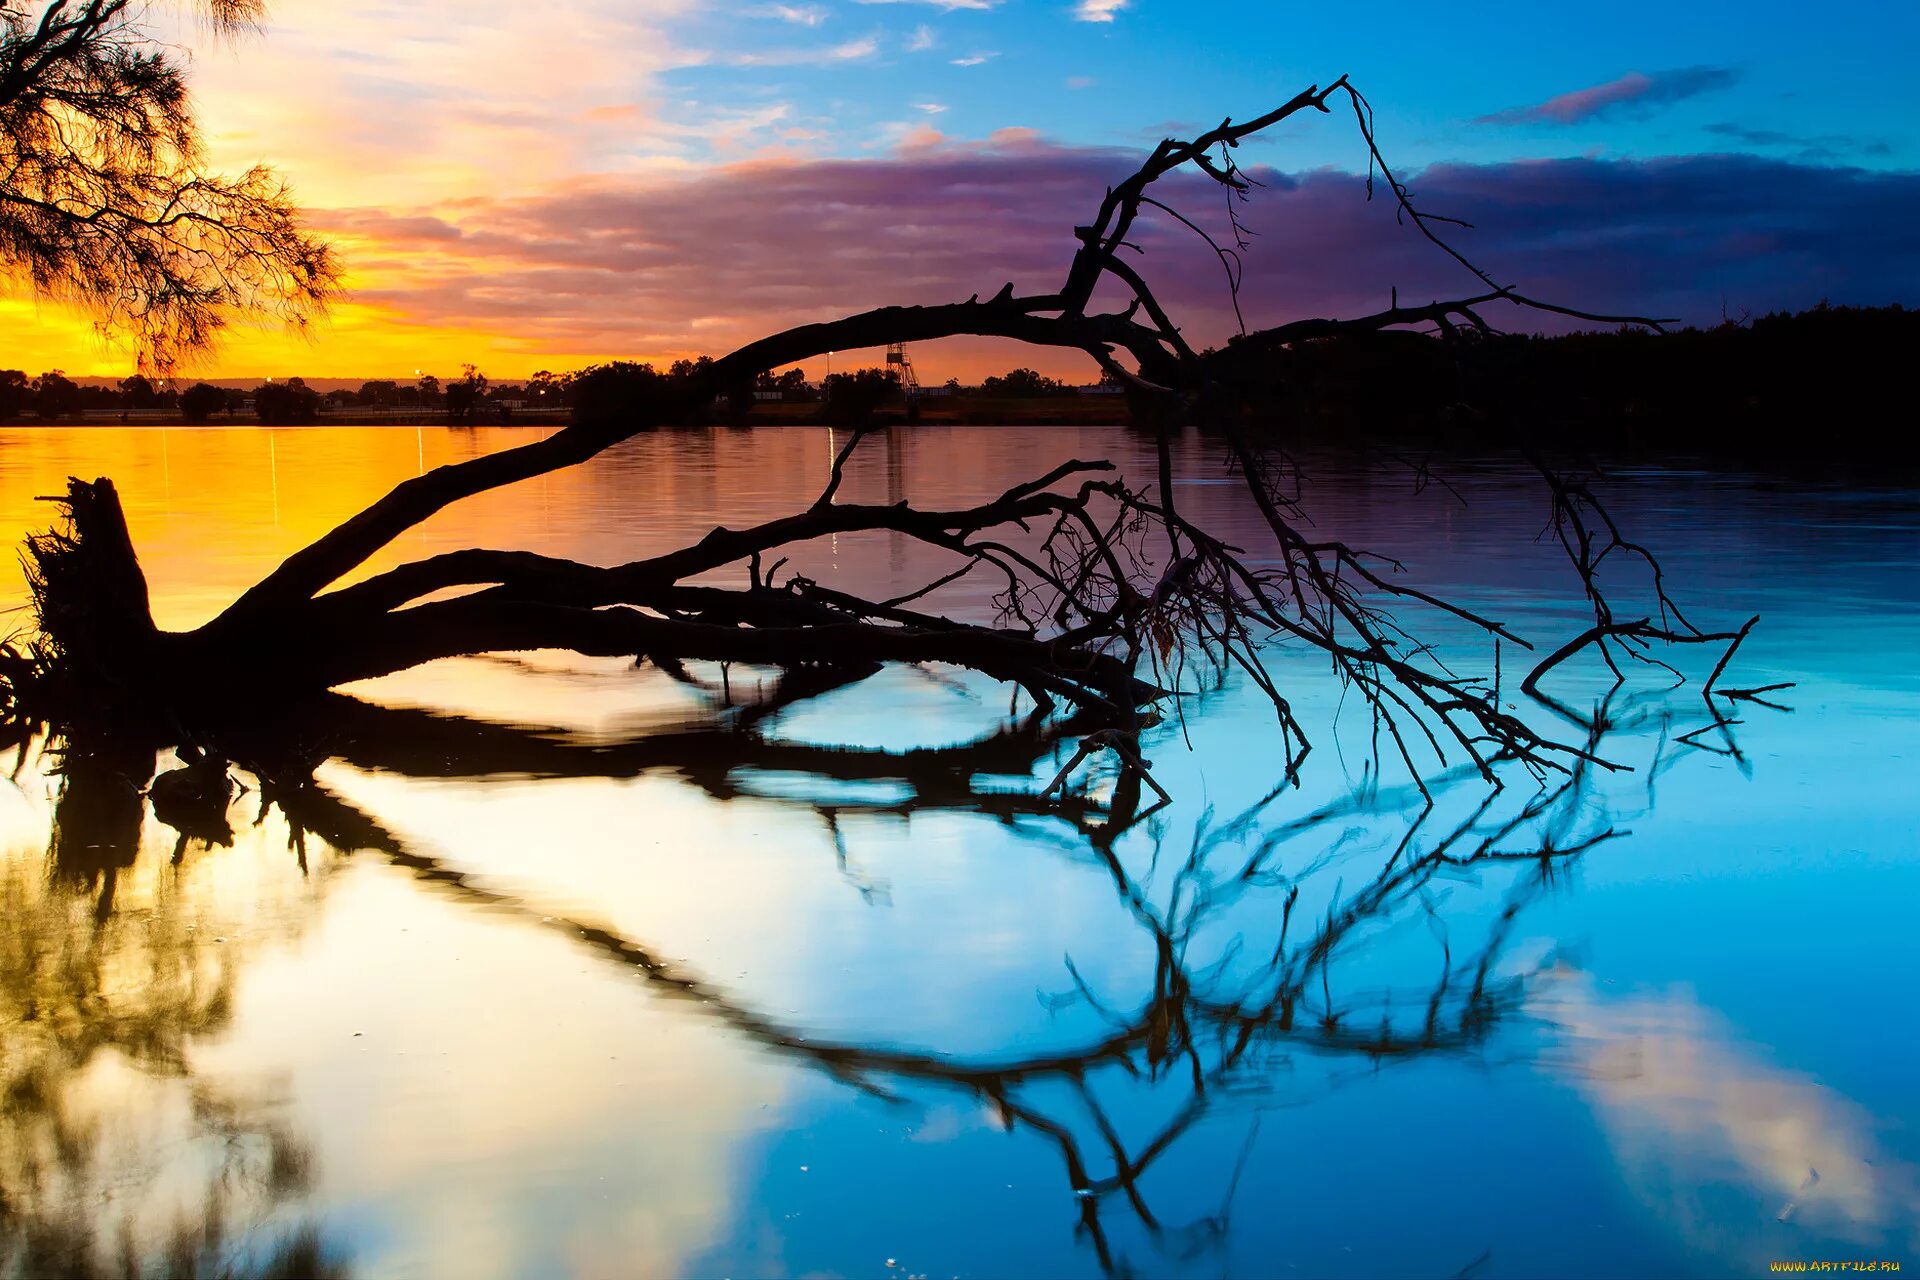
<point>787,1013</point>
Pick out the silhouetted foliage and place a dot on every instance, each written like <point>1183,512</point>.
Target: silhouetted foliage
<point>464,396</point>
<point>201,401</point>
<point>104,198</point>
<point>1023,384</point>
<point>1782,386</point>
<point>851,398</point>
<point>15,391</point>
<point>284,404</point>
<point>545,390</point>
<point>54,396</point>
<point>385,395</point>
<point>620,392</point>
<point>138,392</point>
<point>790,381</point>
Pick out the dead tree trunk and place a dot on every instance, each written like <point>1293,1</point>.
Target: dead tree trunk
<point>1084,625</point>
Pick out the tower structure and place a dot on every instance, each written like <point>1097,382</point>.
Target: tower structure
<point>897,361</point>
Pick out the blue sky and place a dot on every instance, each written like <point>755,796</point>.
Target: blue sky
<point>1791,78</point>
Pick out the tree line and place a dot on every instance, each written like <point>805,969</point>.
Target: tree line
<point>54,397</point>
<point>1814,383</point>
<point>599,391</point>
<point>1746,385</point>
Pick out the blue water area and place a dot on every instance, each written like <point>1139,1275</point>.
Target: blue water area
<point>814,1001</point>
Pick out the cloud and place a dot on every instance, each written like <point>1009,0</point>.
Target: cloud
<point>826,56</point>
<point>1015,136</point>
<point>807,15</point>
<point>921,40</point>
<point>931,108</point>
<point>1098,10</point>
<point>1636,92</point>
<point>974,59</point>
<point>919,137</point>
<point>1080,82</point>
<point>946,5</point>
<point>1813,147</point>
<point>625,265</point>
<point>390,105</point>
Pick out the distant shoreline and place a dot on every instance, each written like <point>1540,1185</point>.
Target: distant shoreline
<point>1822,387</point>
<point>1050,411</point>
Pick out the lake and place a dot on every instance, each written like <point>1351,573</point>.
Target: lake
<point>603,1007</point>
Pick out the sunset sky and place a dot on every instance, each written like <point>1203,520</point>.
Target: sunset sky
<point>539,187</point>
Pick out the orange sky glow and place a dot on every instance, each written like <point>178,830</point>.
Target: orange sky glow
<point>409,114</point>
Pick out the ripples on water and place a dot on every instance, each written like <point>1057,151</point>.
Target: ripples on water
<point>618,1008</point>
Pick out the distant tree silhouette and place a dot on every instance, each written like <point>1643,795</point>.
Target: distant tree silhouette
<point>385,395</point>
<point>545,390</point>
<point>201,401</point>
<point>104,197</point>
<point>54,396</point>
<point>1023,384</point>
<point>15,391</point>
<point>637,395</point>
<point>620,391</point>
<point>138,392</point>
<point>286,404</point>
<point>1764,389</point>
<point>429,390</point>
<point>464,397</point>
<point>852,398</point>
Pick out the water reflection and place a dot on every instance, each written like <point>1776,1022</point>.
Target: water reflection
<point>688,972</point>
<point>1686,1108</point>
<point>1205,1029</point>
<point>117,1156</point>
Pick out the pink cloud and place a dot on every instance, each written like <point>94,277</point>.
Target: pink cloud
<point>1636,90</point>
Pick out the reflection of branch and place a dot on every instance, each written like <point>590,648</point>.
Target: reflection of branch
<point>1205,1028</point>
<point>1080,612</point>
<point>1589,535</point>
<point>723,760</point>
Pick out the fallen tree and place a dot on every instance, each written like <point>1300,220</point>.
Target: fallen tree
<point>1111,594</point>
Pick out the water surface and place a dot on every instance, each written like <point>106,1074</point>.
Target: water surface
<point>617,1012</point>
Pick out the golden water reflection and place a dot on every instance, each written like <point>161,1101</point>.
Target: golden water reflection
<point>120,1154</point>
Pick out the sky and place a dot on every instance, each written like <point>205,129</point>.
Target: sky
<point>539,187</point>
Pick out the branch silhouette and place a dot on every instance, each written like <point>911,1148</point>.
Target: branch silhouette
<point>1093,615</point>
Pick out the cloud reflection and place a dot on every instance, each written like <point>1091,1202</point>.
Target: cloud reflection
<point>1685,1106</point>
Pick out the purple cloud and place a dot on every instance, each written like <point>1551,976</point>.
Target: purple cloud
<point>712,261</point>
<point>1636,91</point>
<point>1822,147</point>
